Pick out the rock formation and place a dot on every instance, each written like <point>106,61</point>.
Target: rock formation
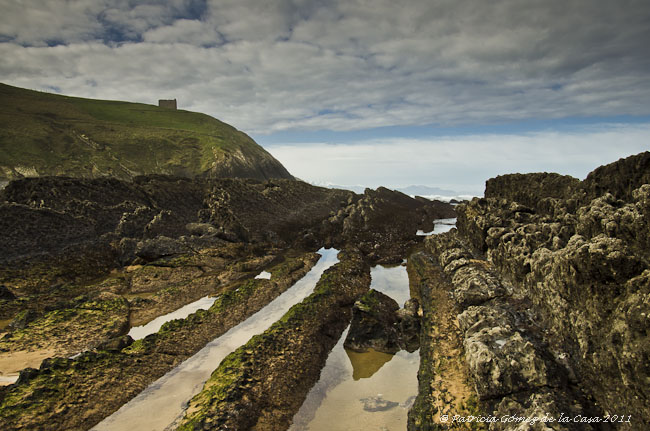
<point>379,324</point>
<point>538,304</point>
<point>550,278</point>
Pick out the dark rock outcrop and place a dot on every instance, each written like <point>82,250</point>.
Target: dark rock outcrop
<point>619,178</point>
<point>381,223</point>
<point>278,211</point>
<point>409,325</point>
<point>529,189</point>
<point>45,216</point>
<point>379,324</point>
<point>374,324</point>
<point>6,294</point>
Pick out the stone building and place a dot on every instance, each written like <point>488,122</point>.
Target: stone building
<point>170,104</point>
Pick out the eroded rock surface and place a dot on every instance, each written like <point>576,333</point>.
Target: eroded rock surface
<point>86,259</point>
<point>550,279</point>
<point>61,235</point>
<point>504,348</point>
<point>555,317</point>
<point>75,394</point>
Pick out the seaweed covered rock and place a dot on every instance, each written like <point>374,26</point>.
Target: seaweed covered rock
<point>374,324</point>
<point>251,388</point>
<point>379,324</point>
<point>78,393</point>
<point>531,189</point>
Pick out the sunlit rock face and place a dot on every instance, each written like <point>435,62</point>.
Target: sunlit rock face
<point>578,252</point>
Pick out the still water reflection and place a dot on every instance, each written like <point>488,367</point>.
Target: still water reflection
<point>364,391</point>
<point>162,404</point>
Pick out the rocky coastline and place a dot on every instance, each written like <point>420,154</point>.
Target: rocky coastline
<point>246,391</point>
<point>537,304</point>
<point>87,259</point>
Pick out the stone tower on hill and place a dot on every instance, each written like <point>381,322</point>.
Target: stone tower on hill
<point>169,104</point>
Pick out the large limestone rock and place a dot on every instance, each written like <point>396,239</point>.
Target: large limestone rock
<point>579,255</point>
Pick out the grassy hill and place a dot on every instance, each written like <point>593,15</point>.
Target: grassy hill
<point>48,134</point>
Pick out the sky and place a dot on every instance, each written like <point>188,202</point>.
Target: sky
<point>444,93</point>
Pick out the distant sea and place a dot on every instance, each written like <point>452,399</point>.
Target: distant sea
<point>428,192</point>
<point>444,198</point>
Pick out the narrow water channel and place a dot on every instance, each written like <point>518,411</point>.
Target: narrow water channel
<point>138,332</point>
<point>6,380</point>
<point>162,404</point>
<point>364,391</point>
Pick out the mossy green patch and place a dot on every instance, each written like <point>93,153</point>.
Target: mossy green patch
<point>73,326</point>
<point>231,373</point>
<point>236,295</point>
<point>369,301</point>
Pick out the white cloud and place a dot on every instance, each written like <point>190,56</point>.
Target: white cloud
<point>461,163</point>
<point>186,31</point>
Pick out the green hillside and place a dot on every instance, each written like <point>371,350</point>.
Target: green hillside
<point>48,134</point>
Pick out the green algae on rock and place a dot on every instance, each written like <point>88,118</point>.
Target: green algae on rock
<point>76,394</point>
<point>251,387</point>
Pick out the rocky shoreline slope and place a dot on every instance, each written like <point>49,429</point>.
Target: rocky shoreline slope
<point>537,305</point>
<point>550,283</point>
<point>86,259</point>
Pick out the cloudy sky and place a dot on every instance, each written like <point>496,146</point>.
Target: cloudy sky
<point>437,92</point>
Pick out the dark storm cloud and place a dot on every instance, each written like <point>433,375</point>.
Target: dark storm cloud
<point>340,65</point>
